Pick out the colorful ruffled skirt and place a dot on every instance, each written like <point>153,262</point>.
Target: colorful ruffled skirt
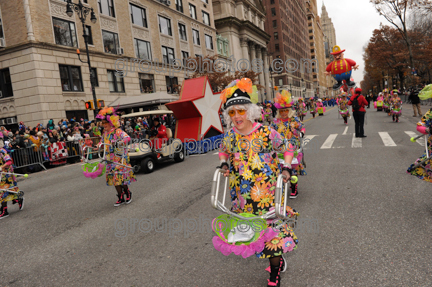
<point>424,172</point>
<point>344,112</point>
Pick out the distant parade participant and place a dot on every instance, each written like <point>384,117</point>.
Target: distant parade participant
<point>301,109</point>
<point>268,113</point>
<point>396,105</point>
<point>8,182</point>
<point>343,107</point>
<point>386,101</point>
<point>116,140</point>
<point>292,129</point>
<point>320,107</point>
<point>378,104</point>
<point>312,107</point>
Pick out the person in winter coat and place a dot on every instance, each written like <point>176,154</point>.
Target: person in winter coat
<point>358,113</point>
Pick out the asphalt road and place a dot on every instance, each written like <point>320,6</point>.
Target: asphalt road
<point>374,220</point>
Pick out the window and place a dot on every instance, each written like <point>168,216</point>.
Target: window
<point>273,11</point>
<point>111,42</point>
<point>275,34</point>
<point>179,5</point>
<point>171,83</point>
<point>280,82</point>
<point>312,51</point>
<point>185,55</point>
<point>89,34</point>
<point>138,16</point>
<point>165,26</point>
<point>5,84</point>
<point>1,29</point>
<point>310,31</point>
<point>146,83</point>
<point>168,54</point>
<point>196,39</point>
<point>143,50</point>
<point>70,77</point>
<point>192,11</point>
<point>93,77</point>
<point>209,42</point>
<point>106,7</point>
<point>182,32</point>
<point>310,24</point>
<point>64,33</point>
<point>205,1</point>
<point>115,82</point>
<point>274,23</point>
<point>272,1</point>
<point>277,48</point>
<point>206,18</point>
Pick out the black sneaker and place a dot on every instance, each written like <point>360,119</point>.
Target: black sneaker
<point>128,195</point>
<point>120,200</point>
<point>283,265</point>
<point>21,203</point>
<point>337,85</point>
<point>4,213</point>
<point>294,191</point>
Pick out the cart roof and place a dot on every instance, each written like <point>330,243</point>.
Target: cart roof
<point>147,113</point>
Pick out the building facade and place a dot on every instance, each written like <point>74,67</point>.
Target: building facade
<point>241,35</point>
<point>316,41</point>
<point>329,42</point>
<point>45,78</point>
<point>286,22</point>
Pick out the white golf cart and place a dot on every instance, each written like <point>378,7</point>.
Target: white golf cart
<point>143,154</point>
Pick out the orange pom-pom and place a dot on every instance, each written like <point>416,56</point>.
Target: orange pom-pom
<point>245,85</point>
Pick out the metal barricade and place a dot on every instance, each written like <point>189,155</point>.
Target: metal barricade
<point>76,148</point>
<point>23,157</point>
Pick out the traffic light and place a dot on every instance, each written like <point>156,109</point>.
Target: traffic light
<point>89,105</point>
<point>100,104</point>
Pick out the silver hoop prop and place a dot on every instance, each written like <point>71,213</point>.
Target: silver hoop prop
<point>123,156</point>
<point>220,205</point>
<point>20,193</point>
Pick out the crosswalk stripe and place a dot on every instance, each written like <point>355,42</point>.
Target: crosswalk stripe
<point>329,141</point>
<point>387,140</point>
<point>216,153</point>
<point>420,141</point>
<point>356,142</point>
<point>308,138</point>
<point>345,131</point>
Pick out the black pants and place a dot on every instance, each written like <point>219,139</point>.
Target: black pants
<point>359,123</point>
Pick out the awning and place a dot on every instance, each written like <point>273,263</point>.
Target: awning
<point>143,100</point>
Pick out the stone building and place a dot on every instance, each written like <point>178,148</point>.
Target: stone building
<point>42,77</point>
<point>241,35</point>
<point>316,40</point>
<point>286,22</point>
<point>329,42</point>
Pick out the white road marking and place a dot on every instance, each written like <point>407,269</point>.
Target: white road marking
<point>386,138</point>
<point>345,131</point>
<point>420,141</point>
<point>356,142</point>
<point>329,141</point>
<point>308,138</point>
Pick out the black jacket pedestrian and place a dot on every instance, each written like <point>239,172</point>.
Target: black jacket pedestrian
<point>414,98</point>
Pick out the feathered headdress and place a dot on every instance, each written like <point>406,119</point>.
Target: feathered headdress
<point>283,100</point>
<point>239,92</point>
<point>426,93</point>
<point>300,99</point>
<point>109,114</point>
<point>385,91</point>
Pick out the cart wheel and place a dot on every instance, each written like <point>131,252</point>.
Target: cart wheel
<point>148,165</point>
<point>179,156</point>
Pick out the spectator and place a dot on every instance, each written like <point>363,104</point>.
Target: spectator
<point>359,113</point>
<point>415,100</point>
<point>35,140</point>
<point>50,124</point>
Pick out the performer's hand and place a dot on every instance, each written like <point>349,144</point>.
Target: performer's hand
<point>287,176</point>
<point>355,67</point>
<point>327,73</point>
<point>224,166</point>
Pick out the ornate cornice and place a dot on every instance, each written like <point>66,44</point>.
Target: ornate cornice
<point>247,25</point>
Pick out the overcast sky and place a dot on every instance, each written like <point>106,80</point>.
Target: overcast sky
<point>354,21</point>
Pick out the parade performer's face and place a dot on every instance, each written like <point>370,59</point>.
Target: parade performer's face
<point>284,113</point>
<point>239,118</point>
<point>338,56</point>
<point>106,125</point>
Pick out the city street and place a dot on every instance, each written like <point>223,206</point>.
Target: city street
<point>375,220</point>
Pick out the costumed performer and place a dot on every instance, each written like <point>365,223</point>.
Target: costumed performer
<point>268,113</point>
<point>341,68</point>
<point>424,126</point>
<point>320,107</point>
<point>378,104</point>
<point>312,107</point>
<point>8,181</point>
<point>116,152</point>
<point>396,105</point>
<point>301,109</point>
<point>343,107</point>
<point>292,130</point>
<point>253,172</point>
<point>386,101</point>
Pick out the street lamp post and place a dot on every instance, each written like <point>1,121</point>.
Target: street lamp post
<point>272,84</point>
<point>302,81</point>
<point>83,11</point>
